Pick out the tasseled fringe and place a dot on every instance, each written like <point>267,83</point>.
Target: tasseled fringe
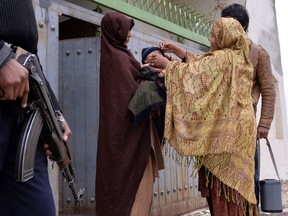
<point>181,160</point>
<point>235,197</point>
<point>197,162</point>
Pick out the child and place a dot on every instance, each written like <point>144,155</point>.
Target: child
<point>148,54</point>
<point>150,98</point>
<point>150,71</point>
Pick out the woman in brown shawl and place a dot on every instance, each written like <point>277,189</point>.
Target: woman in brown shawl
<point>124,175</point>
<point>210,117</point>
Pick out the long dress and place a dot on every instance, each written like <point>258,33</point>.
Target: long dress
<point>123,149</point>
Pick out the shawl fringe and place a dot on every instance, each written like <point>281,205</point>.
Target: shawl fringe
<point>227,177</point>
<point>234,197</point>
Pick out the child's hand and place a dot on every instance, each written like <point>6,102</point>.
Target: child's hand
<point>146,64</point>
<point>162,73</point>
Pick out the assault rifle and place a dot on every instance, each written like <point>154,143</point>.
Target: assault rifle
<point>42,121</point>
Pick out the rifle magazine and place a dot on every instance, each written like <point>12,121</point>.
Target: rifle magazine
<point>27,145</point>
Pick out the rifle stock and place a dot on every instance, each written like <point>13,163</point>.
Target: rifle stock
<point>42,120</point>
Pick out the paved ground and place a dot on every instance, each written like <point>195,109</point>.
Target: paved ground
<point>206,212</point>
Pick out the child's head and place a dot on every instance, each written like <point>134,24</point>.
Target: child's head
<point>148,52</point>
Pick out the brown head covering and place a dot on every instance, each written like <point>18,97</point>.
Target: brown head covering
<point>123,149</point>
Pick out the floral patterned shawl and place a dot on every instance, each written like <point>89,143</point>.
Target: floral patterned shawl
<point>209,112</point>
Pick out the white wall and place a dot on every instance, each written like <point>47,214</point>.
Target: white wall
<point>263,30</point>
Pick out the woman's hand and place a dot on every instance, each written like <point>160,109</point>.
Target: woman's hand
<point>159,61</point>
<point>169,47</point>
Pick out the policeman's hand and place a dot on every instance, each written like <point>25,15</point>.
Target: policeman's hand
<point>262,132</point>
<point>14,82</point>
<point>67,133</point>
<point>47,151</point>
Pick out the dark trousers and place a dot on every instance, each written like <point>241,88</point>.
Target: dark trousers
<point>33,197</point>
<point>257,171</point>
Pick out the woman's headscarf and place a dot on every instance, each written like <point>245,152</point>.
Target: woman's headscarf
<point>229,34</point>
<point>114,30</point>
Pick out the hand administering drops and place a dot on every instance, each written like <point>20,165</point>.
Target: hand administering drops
<point>159,61</point>
<point>169,47</point>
